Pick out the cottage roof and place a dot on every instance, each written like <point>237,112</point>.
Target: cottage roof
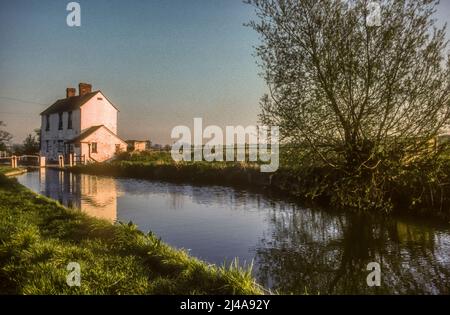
<point>87,132</point>
<point>70,103</point>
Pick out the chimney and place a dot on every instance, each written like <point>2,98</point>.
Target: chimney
<point>84,88</point>
<point>70,92</point>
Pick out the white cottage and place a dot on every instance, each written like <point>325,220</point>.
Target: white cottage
<point>84,124</point>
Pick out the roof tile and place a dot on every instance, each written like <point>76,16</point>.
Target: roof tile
<point>68,104</point>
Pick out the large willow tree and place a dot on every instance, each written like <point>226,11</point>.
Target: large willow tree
<point>355,92</point>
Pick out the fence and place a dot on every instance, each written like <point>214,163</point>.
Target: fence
<point>71,160</point>
<point>27,160</point>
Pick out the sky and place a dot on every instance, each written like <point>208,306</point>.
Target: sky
<point>161,62</point>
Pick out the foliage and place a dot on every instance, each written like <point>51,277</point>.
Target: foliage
<point>146,156</point>
<point>365,100</point>
<point>353,93</point>
<point>30,145</point>
<point>5,137</point>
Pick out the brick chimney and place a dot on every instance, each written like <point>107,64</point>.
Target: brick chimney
<point>84,88</point>
<point>70,92</point>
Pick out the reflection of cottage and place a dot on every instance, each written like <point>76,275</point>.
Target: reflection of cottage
<point>96,196</point>
<point>138,145</point>
<point>83,124</point>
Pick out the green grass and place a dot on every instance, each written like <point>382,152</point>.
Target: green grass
<point>6,169</point>
<point>39,237</point>
<point>158,158</point>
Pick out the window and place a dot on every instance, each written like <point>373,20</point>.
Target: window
<point>47,146</point>
<point>94,147</point>
<point>60,121</point>
<point>47,122</point>
<point>60,146</point>
<point>69,121</point>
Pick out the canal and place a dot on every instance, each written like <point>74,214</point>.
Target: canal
<point>294,249</point>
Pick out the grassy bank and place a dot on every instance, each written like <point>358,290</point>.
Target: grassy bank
<point>417,190</point>
<point>7,170</point>
<point>39,237</point>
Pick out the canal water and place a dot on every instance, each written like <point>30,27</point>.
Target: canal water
<point>294,249</point>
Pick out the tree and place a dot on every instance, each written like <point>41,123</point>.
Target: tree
<point>5,137</point>
<point>30,145</point>
<point>37,132</point>
<point>357,96</point>
<point>17,149</point>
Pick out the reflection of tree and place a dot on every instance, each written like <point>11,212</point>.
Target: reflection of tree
<point>328,254</point>
<point>203,195</point>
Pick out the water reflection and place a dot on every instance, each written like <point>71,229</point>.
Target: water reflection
<point>294,249</point>
<point>94,195</point>
<point>320,253</point>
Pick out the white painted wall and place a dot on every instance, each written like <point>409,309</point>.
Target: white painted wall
<point>99,111</point>
<point>53,135</point>
<point>106,146</point>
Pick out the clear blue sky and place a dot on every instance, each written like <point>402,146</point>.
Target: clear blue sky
<point>162,62</point>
